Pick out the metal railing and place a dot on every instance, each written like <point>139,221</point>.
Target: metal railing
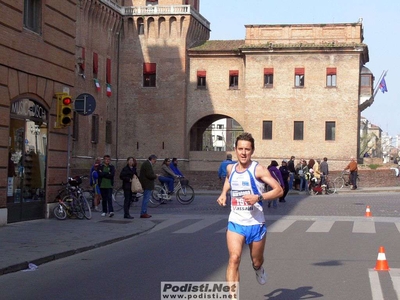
<point>154,10</point>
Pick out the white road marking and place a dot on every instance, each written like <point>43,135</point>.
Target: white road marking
<point>364,227</point>
<point>376,288</point>
<point>321,226</point>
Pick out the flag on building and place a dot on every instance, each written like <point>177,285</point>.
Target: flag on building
<point>97,84</point>
<point>108,91</point>
<point>382,85</point>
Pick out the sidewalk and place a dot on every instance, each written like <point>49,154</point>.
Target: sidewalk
<point>44,240</point>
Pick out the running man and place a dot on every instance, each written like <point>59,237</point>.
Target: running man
<point>246,223</point>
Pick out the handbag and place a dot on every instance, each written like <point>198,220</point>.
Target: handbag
<point>136,187</point>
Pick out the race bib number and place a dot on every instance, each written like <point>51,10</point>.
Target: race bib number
<point>238,202</point>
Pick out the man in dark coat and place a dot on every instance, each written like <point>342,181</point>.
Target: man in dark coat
<point>147,178</point>
<point>285,176</point>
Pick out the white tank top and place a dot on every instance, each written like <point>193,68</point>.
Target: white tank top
<point>245,183</point>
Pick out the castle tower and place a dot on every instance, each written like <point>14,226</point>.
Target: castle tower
<point>153,65</point>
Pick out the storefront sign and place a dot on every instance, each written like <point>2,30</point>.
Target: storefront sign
<point>30,109</point>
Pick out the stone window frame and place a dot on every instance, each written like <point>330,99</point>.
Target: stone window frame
<point>330,130</point>
<point>299,77</point>
<point>267,130</point>
<point>331,77</point>
<point>33,15</point>
<point>298,130</point>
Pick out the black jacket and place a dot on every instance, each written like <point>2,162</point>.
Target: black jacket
<point>126,175</point>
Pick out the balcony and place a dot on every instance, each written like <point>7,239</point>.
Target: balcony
<point>154,10</point>
<point>165,10</point>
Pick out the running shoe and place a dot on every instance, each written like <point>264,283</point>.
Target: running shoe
<point>261,276</point>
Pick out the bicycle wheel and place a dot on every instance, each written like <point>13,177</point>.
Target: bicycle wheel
<point>157,196</point>
<point>330,188</point>
<point>89,195</point>
<point>87,212</point>
<point>358,181</point>
<point>338,183</point>
<point>59,212</point>
<point>77,208</point>
<point>185,195</point>
<point>118,199</point>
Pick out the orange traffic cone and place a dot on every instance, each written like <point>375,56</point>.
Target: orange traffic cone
<point>381,262</point>
<point>368,212</point>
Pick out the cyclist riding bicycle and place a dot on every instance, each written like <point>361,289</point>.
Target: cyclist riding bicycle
<point>174,167</point>
<point>167,175</point>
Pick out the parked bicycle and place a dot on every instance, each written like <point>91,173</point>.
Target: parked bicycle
<point>327,187</point>
<point>72,201</point>
<point>119,198</point>
<point>183,191</point>
<point>344,180</point>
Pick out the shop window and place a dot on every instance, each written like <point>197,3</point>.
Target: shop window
<point>33,15</point>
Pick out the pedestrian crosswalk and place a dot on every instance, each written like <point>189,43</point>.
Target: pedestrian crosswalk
<point>378,293</point>
<point>192,224</point>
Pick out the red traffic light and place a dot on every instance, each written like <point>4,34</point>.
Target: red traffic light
<point>67,101</point>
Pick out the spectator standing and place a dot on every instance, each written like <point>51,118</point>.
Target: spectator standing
<point>147,178</point>
<point>106,182</point>
<point>276,174</point>
<point>292,171</point>
<point>302,173</point>
<point>285,176</point>
<point>353,168</point>
<point>324,168</point>
<point>174,167</point>
<point>126,176</point>
<point>317,171</point>
<point>94,179</point>
<point>96,200</point>
<point>222,167</point>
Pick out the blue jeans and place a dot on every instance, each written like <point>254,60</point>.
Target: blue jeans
<point>146,198</point>
<point>303,184</point>
<point>169,181</point>
<point>106,195</point>
<point>291,180</point>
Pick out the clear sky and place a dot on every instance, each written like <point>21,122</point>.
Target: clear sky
<point>381,21</point>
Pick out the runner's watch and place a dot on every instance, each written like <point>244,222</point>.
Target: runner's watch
<point>260,197</point>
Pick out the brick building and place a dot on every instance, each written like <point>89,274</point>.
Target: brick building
<point>296,88</point>
<point>158,84</point>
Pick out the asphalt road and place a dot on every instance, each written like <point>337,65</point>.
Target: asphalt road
<point>317,247</point>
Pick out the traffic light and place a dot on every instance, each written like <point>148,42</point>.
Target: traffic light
<point>64,110</point>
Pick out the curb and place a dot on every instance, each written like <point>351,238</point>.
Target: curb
<point>39,261</point>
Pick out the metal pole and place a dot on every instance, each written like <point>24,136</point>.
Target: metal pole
<point>68,152</point>
<point>376,89</point>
